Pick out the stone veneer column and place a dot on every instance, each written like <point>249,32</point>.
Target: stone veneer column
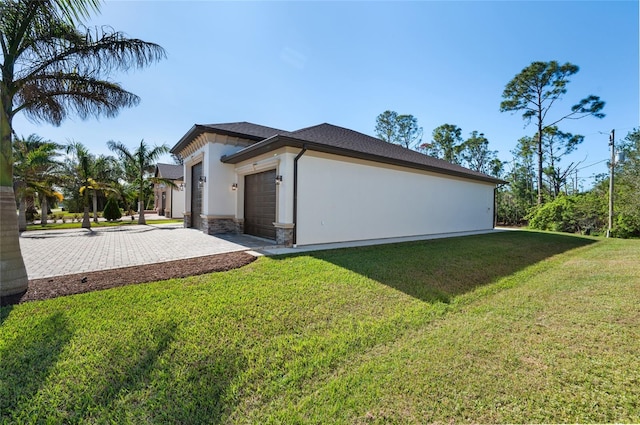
<point>186,220</point>
<point>284,233</point>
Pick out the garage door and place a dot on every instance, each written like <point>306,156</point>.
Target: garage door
<point>260,204</point>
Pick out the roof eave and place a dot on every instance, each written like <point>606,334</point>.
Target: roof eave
<point>184,141</point>
<point>279,141</point>
<point>199,129</point>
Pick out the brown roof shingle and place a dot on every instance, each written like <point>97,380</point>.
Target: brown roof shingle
<point>342,141</point>
<point>169,171</point>
<point>243,130</point>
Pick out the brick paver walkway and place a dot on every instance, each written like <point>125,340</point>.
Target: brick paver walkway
<point>59,252</point>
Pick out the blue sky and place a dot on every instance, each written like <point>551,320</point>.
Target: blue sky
<point>295,64</point>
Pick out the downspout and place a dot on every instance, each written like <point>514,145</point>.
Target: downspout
<point>295,194</point>
<point>495,204</point>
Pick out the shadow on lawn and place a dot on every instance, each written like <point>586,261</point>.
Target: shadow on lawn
<point>203,394</point>
<point>148,373</point>
<point>4,312</point>
<point>439,270</point>
<point>26,361</point>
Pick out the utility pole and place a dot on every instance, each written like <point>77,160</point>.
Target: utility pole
<point>612,138</point>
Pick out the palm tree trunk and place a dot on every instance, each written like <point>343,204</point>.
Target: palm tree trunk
<point>45,210</point>
<point>13,274</point>
<point>95,206</point>
<point>86,223</point>
<point>141,219</point>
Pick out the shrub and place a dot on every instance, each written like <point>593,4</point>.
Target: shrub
<point>627,226</point>
<point>584,213</point>
<point>557,215</point>
<point>31,213</point>
<point>111,210</point>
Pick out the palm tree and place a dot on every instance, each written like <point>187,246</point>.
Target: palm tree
<point>35,172</point>
<point>141,164</point>
<point>105,175</point>
<point>50,69</point>
<point>82,161</point>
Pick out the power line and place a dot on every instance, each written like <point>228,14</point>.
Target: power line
<point>590,165</point>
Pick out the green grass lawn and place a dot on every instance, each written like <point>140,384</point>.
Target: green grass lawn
<point>509,327</point>
<point>78,224</point>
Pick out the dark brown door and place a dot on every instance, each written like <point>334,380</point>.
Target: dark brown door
<point>260,204</point>
<point>196,195</point>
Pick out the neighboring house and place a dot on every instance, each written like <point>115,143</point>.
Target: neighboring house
<point>324,184</point>
<point>169,201</point>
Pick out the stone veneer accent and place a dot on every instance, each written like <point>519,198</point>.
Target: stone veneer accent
<point>213,226</point>
<point>284,234</point>
<point>186,220</point>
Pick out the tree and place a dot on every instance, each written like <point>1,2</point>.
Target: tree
<point>519,195</point>
<point>142,163</point>
<point>104,175</point>
<point>35,173</point>
<point>387,126</point>
<point>477,156</point>
<point>398,129</point>
<point>535,90</point>
<point>51,69</point>
<point>557,144</point>
<point>627,188</point>
<point>83,167</point>
<point>409,133</point>
<point>111,210</point>
<point>445,143</point>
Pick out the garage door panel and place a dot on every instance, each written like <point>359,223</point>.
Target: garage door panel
<point>260,204</point>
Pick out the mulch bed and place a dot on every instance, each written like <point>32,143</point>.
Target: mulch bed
<point>52,287</point>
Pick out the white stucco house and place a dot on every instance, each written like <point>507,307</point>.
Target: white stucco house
<point>169,201</point>
<point>324,184</point>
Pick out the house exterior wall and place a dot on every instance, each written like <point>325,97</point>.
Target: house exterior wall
<point>342,199</point>
<point>339,198</point>
<point>175,201</point>
<point>280,160</point>
<point>219,200</point>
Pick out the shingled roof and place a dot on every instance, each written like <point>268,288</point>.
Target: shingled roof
<point>329,138</point>
<point>169,171</point>
<point>243,130</point>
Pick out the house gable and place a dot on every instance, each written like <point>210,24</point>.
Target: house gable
<point>246,131</point>
<point>169,171</point>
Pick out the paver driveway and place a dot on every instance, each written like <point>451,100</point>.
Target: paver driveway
<point>49,253</point>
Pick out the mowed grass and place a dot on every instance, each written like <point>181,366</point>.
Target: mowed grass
<point>508,327</point>
<point>59,225</point>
